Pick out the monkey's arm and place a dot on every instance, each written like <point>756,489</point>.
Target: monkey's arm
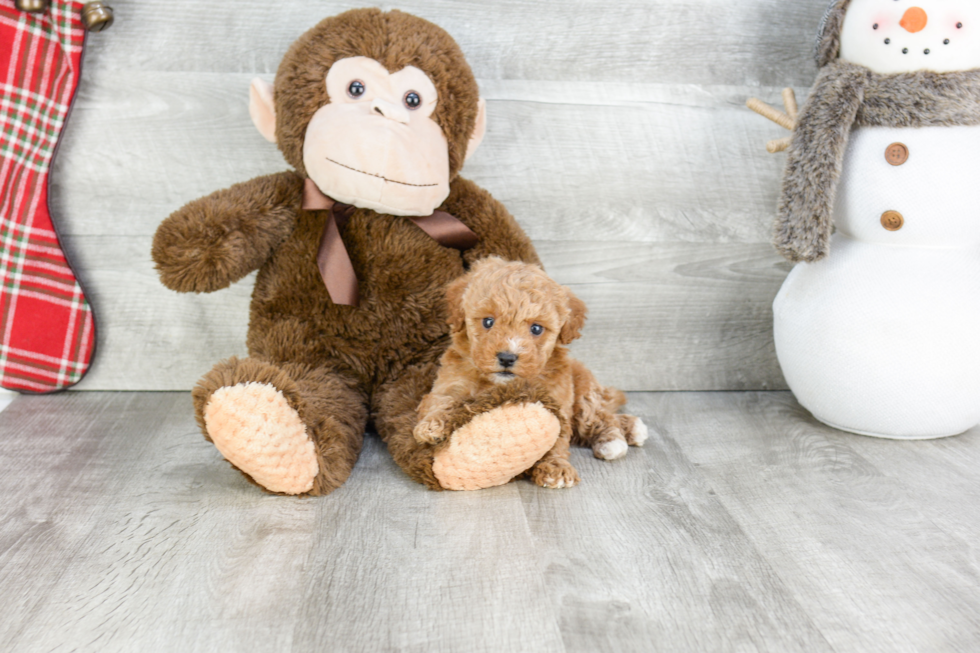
<point>499,233</point>
<point>212,242</point>
<point>804,222</point>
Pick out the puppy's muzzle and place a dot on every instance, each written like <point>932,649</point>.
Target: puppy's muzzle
<point>506,359</point>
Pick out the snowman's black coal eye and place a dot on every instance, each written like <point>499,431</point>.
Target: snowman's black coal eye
<point>875,26</point>
<point>887,41</point>
<point>946,42</point>
<point>487,322</point>
<point>926,51</point>
<point>412,100</point>
<point>356,89</point>
<point>959,25</point>
<point>905,50</point>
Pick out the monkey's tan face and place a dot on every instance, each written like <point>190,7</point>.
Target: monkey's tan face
<point>896,36</point>
<point>375,145</point>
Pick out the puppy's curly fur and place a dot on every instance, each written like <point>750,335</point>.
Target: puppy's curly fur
<point>510,321</point>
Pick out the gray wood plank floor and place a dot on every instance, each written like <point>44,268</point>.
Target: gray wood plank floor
<point>743,525</point>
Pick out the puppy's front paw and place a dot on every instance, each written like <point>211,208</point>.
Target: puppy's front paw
<point>430,431</point>
<point>555,474</point>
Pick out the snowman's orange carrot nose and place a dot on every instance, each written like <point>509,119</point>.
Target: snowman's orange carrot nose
<point>914,20</point>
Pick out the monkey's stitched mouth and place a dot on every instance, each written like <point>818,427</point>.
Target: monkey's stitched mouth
<point>371,174</point>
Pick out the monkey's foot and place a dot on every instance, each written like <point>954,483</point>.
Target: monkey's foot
<point>257,431</point>
<point>497,438</point>
<point>496,446</point>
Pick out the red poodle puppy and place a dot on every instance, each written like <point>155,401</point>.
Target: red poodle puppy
<point>511,321</point>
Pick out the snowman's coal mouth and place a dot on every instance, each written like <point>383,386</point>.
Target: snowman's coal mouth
<point>925,51</point>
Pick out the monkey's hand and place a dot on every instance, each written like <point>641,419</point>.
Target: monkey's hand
<point>216,240</point>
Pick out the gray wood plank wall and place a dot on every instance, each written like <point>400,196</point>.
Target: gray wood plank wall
<point>617,136</point>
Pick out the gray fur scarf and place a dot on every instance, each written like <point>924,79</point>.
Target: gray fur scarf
<point>845,96</point>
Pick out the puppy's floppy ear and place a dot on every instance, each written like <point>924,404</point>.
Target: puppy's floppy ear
<point>572,328</point>
<point>454,302</point>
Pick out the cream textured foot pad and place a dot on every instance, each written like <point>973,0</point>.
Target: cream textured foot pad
<point>496,446</point>
<point>256,430</point>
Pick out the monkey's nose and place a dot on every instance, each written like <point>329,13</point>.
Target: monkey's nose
<point>389,110</point>
<point>914,20</point>
<point>506,359</point>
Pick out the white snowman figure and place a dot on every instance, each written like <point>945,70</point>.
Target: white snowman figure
<point>877,328</point>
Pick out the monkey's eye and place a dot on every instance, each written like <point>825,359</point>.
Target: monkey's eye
<point>536,329</point>
<point>356,89</point>
<point>487,322</point>
<point>412,100</point>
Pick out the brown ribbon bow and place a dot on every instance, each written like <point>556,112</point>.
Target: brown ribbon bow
<point>333,260</point>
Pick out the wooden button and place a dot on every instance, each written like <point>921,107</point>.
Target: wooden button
<point>892,220</point>
<point>897,154</point>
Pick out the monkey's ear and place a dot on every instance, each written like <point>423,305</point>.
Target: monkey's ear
<point>262,108</point>
<point>454,302</point>
<point>572,328</point>
<point>479,131</point>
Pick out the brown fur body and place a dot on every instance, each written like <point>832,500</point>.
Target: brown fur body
<point>341,367</point>
<point>517,297</point>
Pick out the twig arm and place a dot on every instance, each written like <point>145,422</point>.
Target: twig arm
<point>789,102</point>
<point>787,119</point>
<point>779,145</point>
<point>775,115</point>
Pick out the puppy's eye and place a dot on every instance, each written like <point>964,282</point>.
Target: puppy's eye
<point>487,322</point>
<point>536,329</point>
<point>356,89</point>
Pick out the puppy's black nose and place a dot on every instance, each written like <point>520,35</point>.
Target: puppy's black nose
<point>506,359</point>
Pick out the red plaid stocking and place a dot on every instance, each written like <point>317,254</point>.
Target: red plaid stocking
<point>47,333</point>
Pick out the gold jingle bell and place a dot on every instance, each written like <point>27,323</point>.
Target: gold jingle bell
<point>33,6</point>
<point>97,16</point>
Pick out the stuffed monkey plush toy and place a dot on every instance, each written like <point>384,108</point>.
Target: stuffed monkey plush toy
<point>876,327</point>
<point>376,113</point>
